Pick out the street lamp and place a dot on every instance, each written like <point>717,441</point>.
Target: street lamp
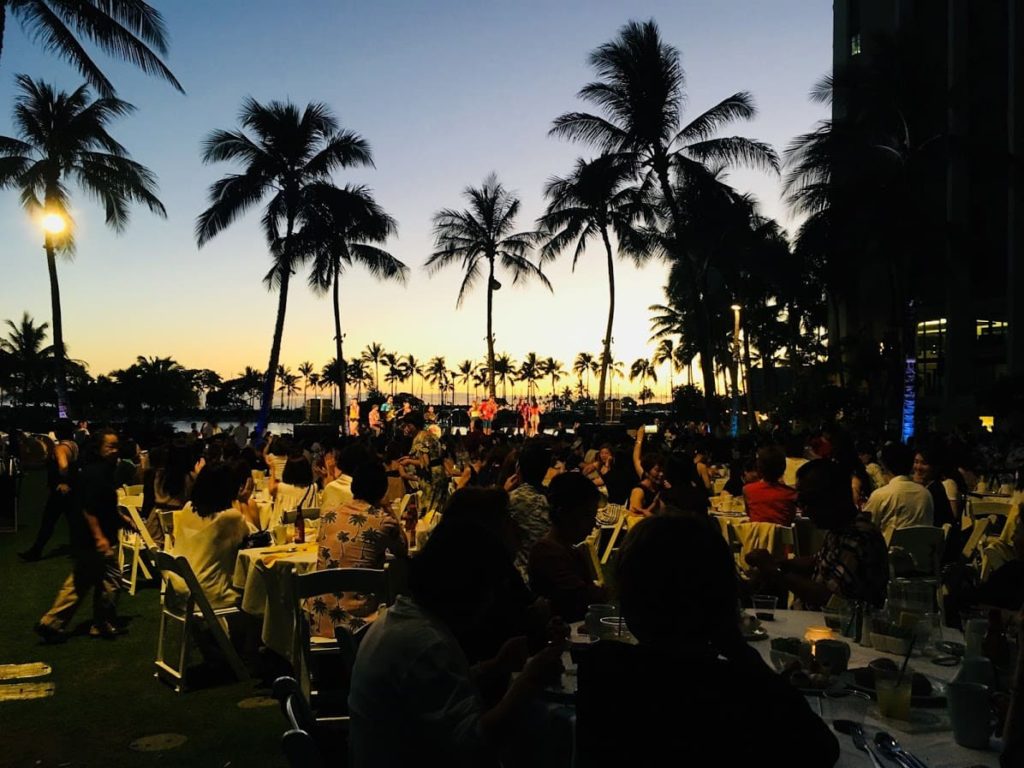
<point>735,425</point>
<point>54,223</point>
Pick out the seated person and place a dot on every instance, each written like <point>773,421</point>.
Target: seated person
<point>296,490</point>
<point>557,567</point>
<point>683,491</point>
<point>1005,586</point>
<point>853,562</point>
<point>741,473</point>
<point>768,500</point>
<point>355,535</point>
<point>210,533</point>
<point>692,686</point>
<point>413,691</point>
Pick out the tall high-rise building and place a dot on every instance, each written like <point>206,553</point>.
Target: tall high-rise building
<point>957,71</point>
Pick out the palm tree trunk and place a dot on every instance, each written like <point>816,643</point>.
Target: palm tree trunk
<point>342,365</point>
<point>751,418</point>
<point>266,401</point>
<point>490,330</point>
<point>607,354</point>
<point>58,331</point>
<point>3,24</point>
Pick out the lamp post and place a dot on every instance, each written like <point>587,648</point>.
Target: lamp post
<point>735,426</point>
<point>54,223</point>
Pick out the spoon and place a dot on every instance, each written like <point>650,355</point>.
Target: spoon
<point>892,749</point>
<point>856,732</point>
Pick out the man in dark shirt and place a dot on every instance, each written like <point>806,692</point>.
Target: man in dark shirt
<point>557,568</point>
<point>94,529</point>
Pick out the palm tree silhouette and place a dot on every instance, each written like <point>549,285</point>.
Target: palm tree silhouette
<point>466,370</point>
<point>504,369</point>
<point>372,354</point>
<point>665,353</point>
<point>345,227</point>
<point>27,354</point>
<point>437,374</point>
<point>128,29</point>
<point>482,237</point>
<point>305,370</point>
<point>63,136</point>
<point>553,368</point>
<point>530,372</point>
<point>357,374</point>
<point>643,369</point>
<point>581,367</point>
<point>640,92</point>
<point>414,368</point>
<point>595,199</point>
<point>289,156</point>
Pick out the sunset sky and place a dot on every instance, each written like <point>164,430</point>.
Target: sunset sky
<point>445,92</point>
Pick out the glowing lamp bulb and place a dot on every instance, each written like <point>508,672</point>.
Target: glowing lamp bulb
<point>53,223</point>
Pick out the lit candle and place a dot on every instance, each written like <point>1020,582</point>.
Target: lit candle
<point>814,634</point>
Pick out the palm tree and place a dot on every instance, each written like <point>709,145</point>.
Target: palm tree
<point>530,372</point>
<point>391,365</point>
<point>305,370</point>
<point>250,382</point>
<point>372,354</point>
<point>26,354</point>
<point>347,226</point>
<point>481,237</point>
<point>414,368</point>
<point>665,353</point>
<point>581,367</point>
<point>313,379</point>
<point>466,370</point>
<point>595,199</point>
<point>64,136</point>
<point>283,375</point>
<point>504,368</point>
<point>437,374</point>
<point>330,376</point>
<point>289,157</point>
<point>643,369</point>
<point>614,368</point>
<point>640,92</point>
<point>553,368</point>
<point>357,374</point>
<point>128,29</point>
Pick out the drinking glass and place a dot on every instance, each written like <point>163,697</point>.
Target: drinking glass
<point>843,704</point>
<point>764,607</point>
<point>894,693</point>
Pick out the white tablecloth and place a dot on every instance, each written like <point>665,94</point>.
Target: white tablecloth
<point>938,749</point>
<point>267,600</point>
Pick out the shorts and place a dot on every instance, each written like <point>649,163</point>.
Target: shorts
<point>486,423</point>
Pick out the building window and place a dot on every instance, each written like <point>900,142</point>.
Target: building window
<point>855,44</point>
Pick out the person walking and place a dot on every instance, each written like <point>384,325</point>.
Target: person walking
<point>61,468</point>
<point>94,529</point>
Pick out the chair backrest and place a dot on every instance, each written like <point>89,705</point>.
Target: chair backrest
<point>916,550</point>
<point>981,525</point>
<point>780,540</point>
<point>132,490</point>
<point>130,501</point>
<point>589,546</point>
<point>809,537</point>
<point>331,580</point>
<point>1012,521</point>
<point>308,513</point>
<point>984,508</point>
<point>140,525</point>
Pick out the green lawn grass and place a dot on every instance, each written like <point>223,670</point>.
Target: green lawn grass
<point>106,695</point>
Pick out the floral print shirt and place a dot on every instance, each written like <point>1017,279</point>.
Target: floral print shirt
<point>354,535</point>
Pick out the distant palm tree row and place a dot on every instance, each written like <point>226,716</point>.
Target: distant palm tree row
<point>161,384</point>
<point>654,190</point>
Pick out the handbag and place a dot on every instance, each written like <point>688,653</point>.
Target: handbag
<point>257,539</point>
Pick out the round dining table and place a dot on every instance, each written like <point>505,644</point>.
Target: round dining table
<point>263,592</point>
<point>928,735</point>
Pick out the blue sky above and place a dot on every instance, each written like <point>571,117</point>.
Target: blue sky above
<point>445,92</point>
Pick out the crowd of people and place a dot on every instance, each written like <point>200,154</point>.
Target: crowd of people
<point>454,667</point>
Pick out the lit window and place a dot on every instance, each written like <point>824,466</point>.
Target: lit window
<point>855,44</point>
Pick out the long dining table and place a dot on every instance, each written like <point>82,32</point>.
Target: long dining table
<point>928,735</point>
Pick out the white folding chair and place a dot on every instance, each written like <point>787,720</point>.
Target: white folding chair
<point>134,543</point>
<point>187,610</point>
<point>298,745</point>
<point>978,508</point>
<point>298,588</point>
<point>132,490</point>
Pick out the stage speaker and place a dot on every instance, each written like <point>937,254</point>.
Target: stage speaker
<point>318,411</point>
